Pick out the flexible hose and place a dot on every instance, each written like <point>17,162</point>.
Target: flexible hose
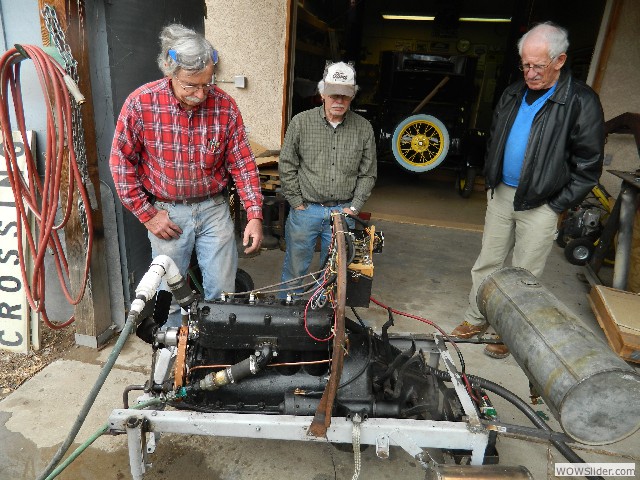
<point>161,267</point>
<point>521,405</point>
<point>101,431</point>
<point>106,369</point>
<point>31,194</point>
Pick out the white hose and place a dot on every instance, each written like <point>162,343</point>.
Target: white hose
<point>161,266</point>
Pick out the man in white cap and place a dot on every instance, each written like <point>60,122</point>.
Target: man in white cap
<point>327,163</point>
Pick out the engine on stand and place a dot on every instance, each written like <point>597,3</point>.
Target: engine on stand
<point>274,357</point>
<point>252,366</point>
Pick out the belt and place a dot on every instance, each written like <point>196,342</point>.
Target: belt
<point>185,201</point>
<point>331,203</point>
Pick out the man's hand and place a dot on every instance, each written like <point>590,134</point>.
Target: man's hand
<point>162,226</point>
<point>252,235</point>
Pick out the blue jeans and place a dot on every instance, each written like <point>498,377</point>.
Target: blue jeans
<point>208,227</point>
<point>302,230</point>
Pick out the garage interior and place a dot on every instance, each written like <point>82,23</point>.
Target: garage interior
<point>432,237</point>
<point>403,51</point>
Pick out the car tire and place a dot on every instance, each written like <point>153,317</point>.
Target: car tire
<point>420,143</point>
<point>465,181</point>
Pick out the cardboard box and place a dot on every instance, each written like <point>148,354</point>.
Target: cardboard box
<point>618,314</point>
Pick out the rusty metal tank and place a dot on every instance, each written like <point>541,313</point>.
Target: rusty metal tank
<point>593,393</point>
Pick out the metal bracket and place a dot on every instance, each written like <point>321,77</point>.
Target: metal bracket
<point>413,449</point>
<point>138,449</point>
<point>467,404</point>
<point>382,446</point>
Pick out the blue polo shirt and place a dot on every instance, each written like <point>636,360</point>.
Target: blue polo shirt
<point>518,139</point>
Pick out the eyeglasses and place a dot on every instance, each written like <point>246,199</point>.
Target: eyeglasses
<point>525,67</point>
<point>194,88</point>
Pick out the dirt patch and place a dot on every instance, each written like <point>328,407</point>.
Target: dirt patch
<point>17,368</point>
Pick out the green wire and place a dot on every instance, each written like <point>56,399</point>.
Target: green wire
<point>192,276</point>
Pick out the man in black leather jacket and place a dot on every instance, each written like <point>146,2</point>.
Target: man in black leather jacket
<point>544,155</point>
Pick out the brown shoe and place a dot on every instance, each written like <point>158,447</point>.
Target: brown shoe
<point>496,350</point>
<point>468,330</point>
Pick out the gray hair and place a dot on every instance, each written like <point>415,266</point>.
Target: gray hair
<point>557,38</point>
<point>183,48</point>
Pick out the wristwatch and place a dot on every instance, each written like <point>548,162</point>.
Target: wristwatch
<point>353,209</point>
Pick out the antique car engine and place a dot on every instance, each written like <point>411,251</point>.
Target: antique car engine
<point>259,358</point>
<point>248,365</point>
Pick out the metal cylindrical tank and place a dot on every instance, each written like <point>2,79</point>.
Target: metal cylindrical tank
<point>478,472</point>
<point>592,392</point>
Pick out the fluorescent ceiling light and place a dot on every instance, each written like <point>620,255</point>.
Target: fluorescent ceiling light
<point>423,18</point>
<point>487,20</point>
<point>407,17</point>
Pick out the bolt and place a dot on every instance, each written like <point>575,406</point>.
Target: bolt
<point>133,422</point>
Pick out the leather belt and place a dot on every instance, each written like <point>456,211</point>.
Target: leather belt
<point>185,201</point>
<point>332,203</point>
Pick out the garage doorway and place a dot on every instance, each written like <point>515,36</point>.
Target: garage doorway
<point>403,51</point>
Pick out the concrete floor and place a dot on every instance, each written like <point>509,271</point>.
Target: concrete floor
<point>432,238</point>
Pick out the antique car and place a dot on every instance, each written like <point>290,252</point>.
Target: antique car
<point>422,115</point>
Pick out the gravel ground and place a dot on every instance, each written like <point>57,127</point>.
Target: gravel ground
<point>17,368</point>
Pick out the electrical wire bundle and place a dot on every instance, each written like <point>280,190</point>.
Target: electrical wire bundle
<point>42,197</point>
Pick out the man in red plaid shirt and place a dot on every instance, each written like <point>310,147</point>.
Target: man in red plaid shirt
<point>176,142</point>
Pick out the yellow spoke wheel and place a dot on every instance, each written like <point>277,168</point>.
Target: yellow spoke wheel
<point>420,143</point>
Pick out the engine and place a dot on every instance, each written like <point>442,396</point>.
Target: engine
<point>273,358</point>
<point>292,365</point>
<point>247,354</point>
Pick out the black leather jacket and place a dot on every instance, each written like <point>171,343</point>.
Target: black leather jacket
<point>564,156</point>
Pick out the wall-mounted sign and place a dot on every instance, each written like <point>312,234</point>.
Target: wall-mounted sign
<point>14,308</point>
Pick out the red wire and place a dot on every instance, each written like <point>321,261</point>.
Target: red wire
<point>415,317</point>
<point>306,327</point>
<point>42,199</point>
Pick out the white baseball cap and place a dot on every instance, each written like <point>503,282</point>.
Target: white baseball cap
<point>340,79</point>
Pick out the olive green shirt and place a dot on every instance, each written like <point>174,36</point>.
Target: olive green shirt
<point>319,163</point>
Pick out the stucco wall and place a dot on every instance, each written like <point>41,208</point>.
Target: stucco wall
<point>250,37</point>
<point>620,92</point>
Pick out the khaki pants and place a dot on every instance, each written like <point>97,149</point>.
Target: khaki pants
<point>530,234</point>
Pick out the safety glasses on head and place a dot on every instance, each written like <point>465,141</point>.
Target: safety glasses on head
<point>175,56</point>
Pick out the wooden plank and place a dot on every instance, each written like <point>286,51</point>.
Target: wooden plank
<point>93,313</point>
<point>616,312</point>
<point>269,186</point>
<point>270,172</point>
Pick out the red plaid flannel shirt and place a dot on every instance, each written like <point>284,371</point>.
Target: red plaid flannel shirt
<point>162,149</point>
